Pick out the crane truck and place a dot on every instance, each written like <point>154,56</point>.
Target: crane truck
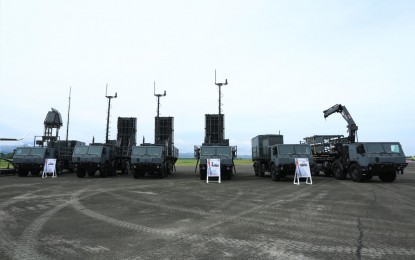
<point>343,156</point>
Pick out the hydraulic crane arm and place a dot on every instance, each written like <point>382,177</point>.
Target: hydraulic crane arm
<point>351,125</point>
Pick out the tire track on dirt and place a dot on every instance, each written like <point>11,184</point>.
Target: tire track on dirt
<point>285,247</point>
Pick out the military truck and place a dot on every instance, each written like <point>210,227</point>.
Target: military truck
<point>343,156</point>
<point>363,160</point>
<point>261,152</point>
<point>283,157</point>
<point>277,159</point>
<point>156,159</point>
<point>153,160</point>
<point>47,146</point>
<point>226,154</point>
<point>32,159</point>
<point>88,159</point>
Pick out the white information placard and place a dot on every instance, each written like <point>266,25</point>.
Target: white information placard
<point>50,167</point>
<point>302,170</point>
<point>213,169</point>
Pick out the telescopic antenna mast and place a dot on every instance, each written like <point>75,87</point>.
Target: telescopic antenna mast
<point>108,114</point>
<point>158,112</point>
<point>69,109</point>
<point>220,92</point>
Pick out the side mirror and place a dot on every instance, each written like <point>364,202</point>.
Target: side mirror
<point>274,151</point>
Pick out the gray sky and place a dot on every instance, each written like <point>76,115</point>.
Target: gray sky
<point>285,61</point>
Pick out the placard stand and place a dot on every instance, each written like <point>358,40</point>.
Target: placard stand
<point>213,169</point>
<point>302,170</point>
<point>50,167</point>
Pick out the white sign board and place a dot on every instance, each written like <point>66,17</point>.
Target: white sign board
<point>302,170</point>
<point>50,167</point>
<point>213,169</point>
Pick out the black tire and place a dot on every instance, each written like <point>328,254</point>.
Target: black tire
<point>367,177</point>
<point>22,173</point>
<point>275,173</point>
<point>91,173</point>
<point>387,176</point>
<point>256,169</point>
<point>262,170</point>
<point>80,172</point>
<point>138,174</point>
<point>356,173</point>
<point>338,171</point>
<point>202,175</point>
<point>59,167</point>
<point>35,173</point>
<point>328,173</point>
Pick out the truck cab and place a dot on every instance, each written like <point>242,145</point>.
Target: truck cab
<point>363,160</point>
<point>150,160</point>
<point>31,159</point>
<point>283,159</point>
<point>226,154</point>
<point>87,159</point>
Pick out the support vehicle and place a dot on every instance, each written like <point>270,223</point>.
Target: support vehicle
<point>279,159</point>
<point>343,156</point>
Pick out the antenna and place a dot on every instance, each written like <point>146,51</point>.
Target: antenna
<point>158,98</point>
<point>158,112</point>
<point>220,92</point>
<point>109,108</point>
<point>69,109</point>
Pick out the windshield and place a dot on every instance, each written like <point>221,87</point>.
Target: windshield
<point>302,149</point>
<point>286,149</point>
<point>150,151</point>
<point>383,148</point>
<point>224,151</point>
<point>206,151</point>
<point>38,151</point>
<point>80,150</point>
<point>154,151</point>
<point>95,150</point>
<point>22,151</point>
<point>392,148</point>
<point>138,151</point>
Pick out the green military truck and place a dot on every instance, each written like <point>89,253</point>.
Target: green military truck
<point>226,154</point>
<point>363,160</point>
<point>153,160</point>
<point>93,158</point>
<point>270,155</point>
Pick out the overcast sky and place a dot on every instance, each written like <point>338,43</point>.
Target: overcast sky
<point>285,61</point>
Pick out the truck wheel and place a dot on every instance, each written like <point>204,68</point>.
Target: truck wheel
<point>22,173</point>
<point>367,177</point>
<point>338,172</point>
<point>262,170</point>
<point>80,172</point>
<point>59,167</point>
<point>91,173</point>
<point>256,169</point>
<point>387,176</point>
<point>328,173</point>
<point>275,173</point>
<point>356,173</point>
<point>35,173</point>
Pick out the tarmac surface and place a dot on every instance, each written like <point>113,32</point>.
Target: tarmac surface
<point>182,217</point>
